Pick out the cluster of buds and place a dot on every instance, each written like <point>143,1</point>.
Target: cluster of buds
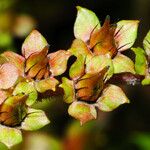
<point>99,57</point>
<point>89,88</point>
<point>22,79</point>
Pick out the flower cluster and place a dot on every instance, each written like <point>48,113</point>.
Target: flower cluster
<point>22,78</point>
<point>98,51</point>
<point>99,56</point>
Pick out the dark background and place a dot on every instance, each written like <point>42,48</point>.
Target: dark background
<point>56,17</point>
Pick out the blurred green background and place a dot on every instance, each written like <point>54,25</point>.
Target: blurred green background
<point>126,128</point>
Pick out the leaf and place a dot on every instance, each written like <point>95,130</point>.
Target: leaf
<point>8,75</point>
<point>97,63</point>
<point>27,88</point>
<point>78,68</point>
<point>46,84</point>
<point>35,120</point>
<point>123,63</point>
<point>85,23</point>
<point>34,42</point>
<point>140,61</point>
<point>111,98</point>
<point>15,59</point>
<point>126,34</point>
<point>79,47</point>
<point>146,43</point>
<point>69,91</point>
<point>10,136</point>
<point>58,62</point>
<point>82,111</point>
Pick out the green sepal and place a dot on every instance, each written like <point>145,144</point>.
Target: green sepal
<point>69,91</point>
<point>85,23</point>
<point>111,98</point>
<point>58,62</point>
<point>8,75</point>
<point>122,64</point>
<point>78,68</point>
<point>82,111</point>
<point>79,47</point>
<point>46,84</point>
<point>34,42</point>
<point>10,136</point>
<point>126,34</point>
<point>15,59</point>
<point>98,63</point>
<point>34,120</point>
<point>27,88</point>
<point>140,61</point>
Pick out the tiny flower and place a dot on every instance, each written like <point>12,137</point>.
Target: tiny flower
<point>109,40</point>
<point>22,78</point>
<point>36,68</point>
<point>88,89</point>
<point>15,116</point>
